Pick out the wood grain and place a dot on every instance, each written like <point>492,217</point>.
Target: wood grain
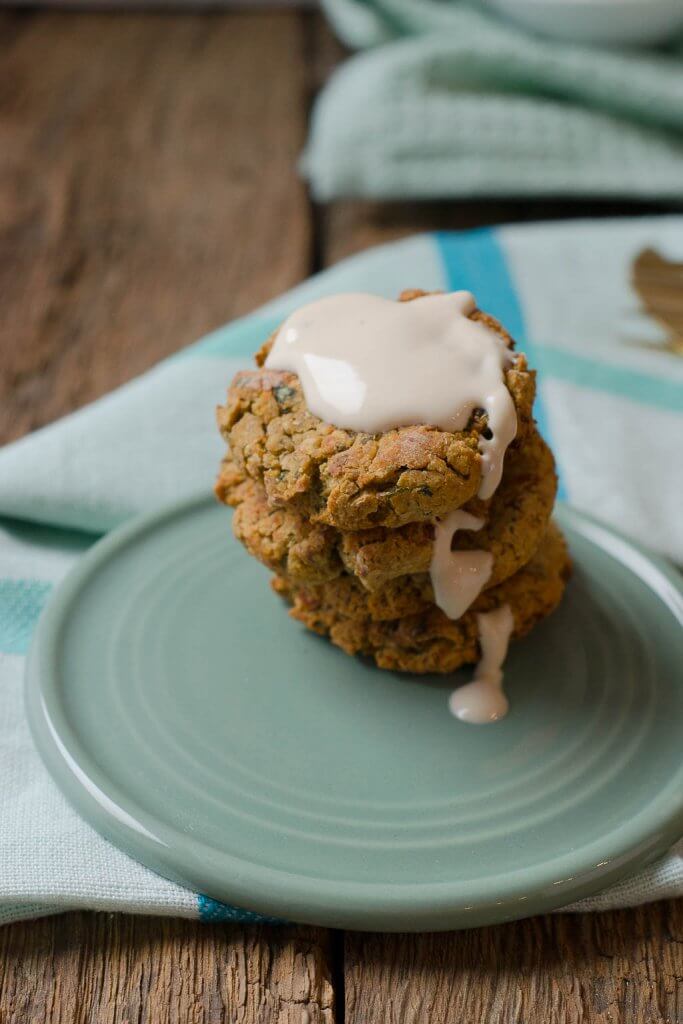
<point>616,968</point>
<point>148,192</point>
<point>114,969</point>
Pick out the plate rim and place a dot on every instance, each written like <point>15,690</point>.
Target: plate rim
<point>275,892</point>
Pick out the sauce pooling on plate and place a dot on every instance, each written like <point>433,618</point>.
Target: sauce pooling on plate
<point>371,364</point>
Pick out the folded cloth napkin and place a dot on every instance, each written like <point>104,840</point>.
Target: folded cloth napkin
<point>610,401</point>
<point>467,105</point>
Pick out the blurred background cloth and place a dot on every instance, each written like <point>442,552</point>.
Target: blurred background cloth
<point>448,100</point>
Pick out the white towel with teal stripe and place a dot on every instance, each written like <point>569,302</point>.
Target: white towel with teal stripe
<point>610,362</point>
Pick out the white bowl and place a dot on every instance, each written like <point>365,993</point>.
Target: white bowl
<point>598,22</point>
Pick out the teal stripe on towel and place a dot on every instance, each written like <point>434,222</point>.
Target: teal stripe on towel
<point>475,262</point>
<point>660,392</point>
<point>21,602</point>
<point>212,910</point>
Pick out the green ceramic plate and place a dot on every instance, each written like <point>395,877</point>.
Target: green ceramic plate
<point>207,734</point>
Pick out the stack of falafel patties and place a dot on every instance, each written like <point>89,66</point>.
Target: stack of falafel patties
<point>346,520</point>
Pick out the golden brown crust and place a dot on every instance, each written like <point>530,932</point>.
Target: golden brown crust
<point>429,641</point>
<point>515,521</point>
<point>282,539</point>
<point>354,480</point>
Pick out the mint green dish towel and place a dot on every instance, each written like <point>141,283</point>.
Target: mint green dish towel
<point>448,100</point>
<point>610,400</point>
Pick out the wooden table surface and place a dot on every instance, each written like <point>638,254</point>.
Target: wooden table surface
<point>148,193</point>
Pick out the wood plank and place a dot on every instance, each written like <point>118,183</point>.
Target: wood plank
<point>148,191</point>
<point>116,969</point>
<point>616,968</point>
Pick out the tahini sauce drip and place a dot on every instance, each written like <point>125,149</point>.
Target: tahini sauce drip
<point>458,577</point>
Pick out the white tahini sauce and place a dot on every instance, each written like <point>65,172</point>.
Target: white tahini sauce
<point>483,700</point>
<point>371,364</point>
<point>458,577</point>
